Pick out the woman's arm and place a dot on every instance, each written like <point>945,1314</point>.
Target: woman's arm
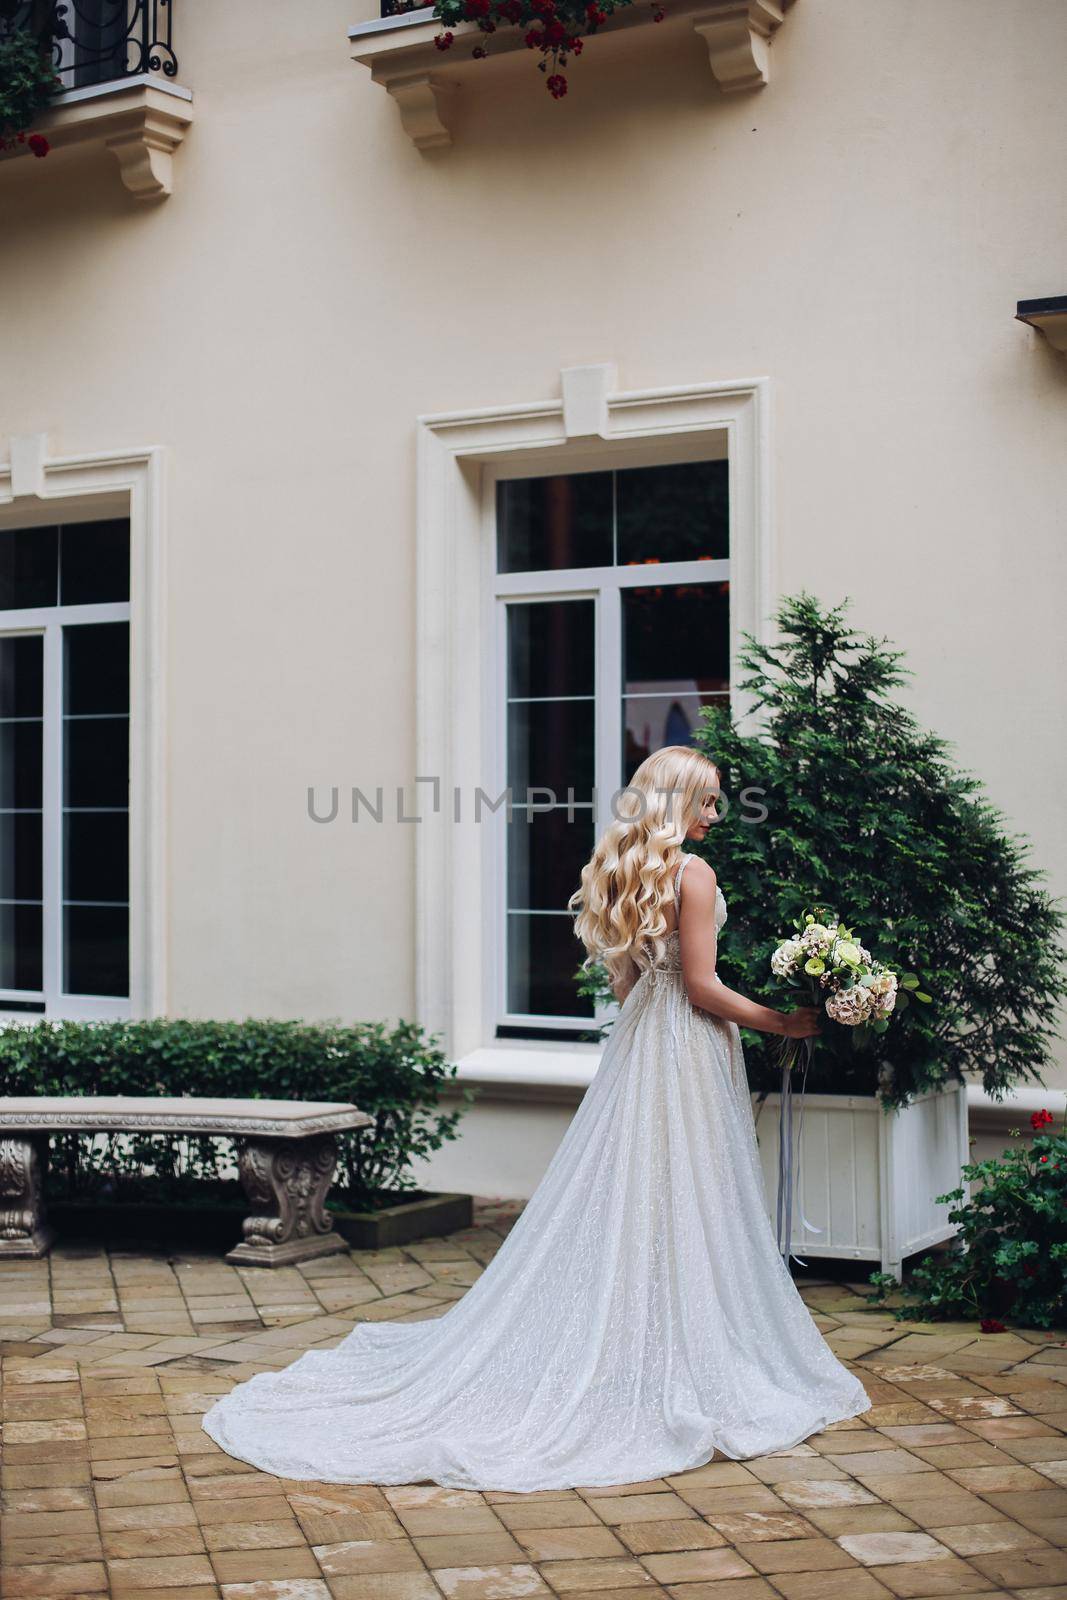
<point>696,927</point>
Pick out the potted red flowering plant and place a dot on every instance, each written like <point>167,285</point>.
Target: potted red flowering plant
<point>556,29</point>
<point>1011,1259</point>
<point>28,79</point>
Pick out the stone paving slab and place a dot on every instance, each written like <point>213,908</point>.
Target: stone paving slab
<point>955,1483</point>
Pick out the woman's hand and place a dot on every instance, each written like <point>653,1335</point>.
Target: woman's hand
<point>802,1023</point>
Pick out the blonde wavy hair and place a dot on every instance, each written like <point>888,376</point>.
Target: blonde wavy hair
<point>629,878</point>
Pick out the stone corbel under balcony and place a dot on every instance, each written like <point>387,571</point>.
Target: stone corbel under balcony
<point>1048,316</point>
<point>141,120</point>
<point>402,57</point>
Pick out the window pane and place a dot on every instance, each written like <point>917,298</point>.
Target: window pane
<point>94,562</point>
<point>679,513</point>
<point>546,854</point>
<point>543,955</point>
<point>676,633</point>
<point>20,765</point>
<point>95,855</point>
<point>21,680</point>
<point>550,746</point>
<point>96,842</point>
<point>20,947</point>
<point>96,663</point>
<point>21,683</point>
<point>651,721</point>
<point>99,50</point>
<point>20,855</point>
<point>96,762</point>
<point>550,648</point>
<point>29,565</point>
<point>676,644</point>
<point>96,950</point>
<point>544,524</point>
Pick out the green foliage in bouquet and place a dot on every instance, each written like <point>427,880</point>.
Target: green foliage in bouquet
<point>1010,1257</point>
<point>867,813</point>
<point>395,1074</point>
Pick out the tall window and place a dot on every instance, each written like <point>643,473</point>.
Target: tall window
<point>64,769</point>
<point>613,589</point>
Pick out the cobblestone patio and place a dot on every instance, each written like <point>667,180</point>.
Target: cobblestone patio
<point>954,1484</point>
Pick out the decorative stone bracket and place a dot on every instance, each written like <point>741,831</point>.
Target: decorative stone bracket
<point>141,120</point>
<point>24,1233</point>
<point>738,37</point>
<point>402,57</point>
<point>286,1182</point>
<point>1048,316</point>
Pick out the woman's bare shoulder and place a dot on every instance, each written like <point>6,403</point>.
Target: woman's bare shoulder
<point>700,878</point>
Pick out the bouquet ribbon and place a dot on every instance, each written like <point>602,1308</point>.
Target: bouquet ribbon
<point>787,1150</point>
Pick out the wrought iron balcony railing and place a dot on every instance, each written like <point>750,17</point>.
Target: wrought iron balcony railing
<point>400,8</point>
<point>97,41</point>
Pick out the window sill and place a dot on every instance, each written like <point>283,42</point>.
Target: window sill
<point>141,120</point>
<point>532,1072</point>
<point>401,55</point>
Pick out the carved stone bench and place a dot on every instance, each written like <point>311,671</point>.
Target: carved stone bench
<point>286,1157</point>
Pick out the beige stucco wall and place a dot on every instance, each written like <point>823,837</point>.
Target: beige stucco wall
<point>859,232</point>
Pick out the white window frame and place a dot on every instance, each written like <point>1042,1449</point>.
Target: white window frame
<point>591,426</point>
<point>603,586</point>
<point>39,490</point>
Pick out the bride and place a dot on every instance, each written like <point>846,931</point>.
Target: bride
<point>638,1318</point>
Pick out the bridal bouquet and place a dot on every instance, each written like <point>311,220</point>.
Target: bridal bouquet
<point>825,958</point>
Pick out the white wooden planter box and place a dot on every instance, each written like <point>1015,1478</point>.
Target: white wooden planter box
<point>867,1178</point>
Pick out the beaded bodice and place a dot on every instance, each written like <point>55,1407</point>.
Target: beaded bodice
<point>671,959</point>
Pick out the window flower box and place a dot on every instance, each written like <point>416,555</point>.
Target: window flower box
<point>867,1178</point>
<point>400,53</point>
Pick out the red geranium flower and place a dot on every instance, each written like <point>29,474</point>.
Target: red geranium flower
<point>443,41</point>
<point>38,144</point>
<point>1041,1119</point>
<point>991,1325</point>
<point>557,86</point>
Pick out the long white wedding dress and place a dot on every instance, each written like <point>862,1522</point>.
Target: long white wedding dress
<point>637,1318</point>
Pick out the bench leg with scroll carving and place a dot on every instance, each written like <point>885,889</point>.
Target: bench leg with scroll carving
<point>287,1181</point>
<point>23,1229</point>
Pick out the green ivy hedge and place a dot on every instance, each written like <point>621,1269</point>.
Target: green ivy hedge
<point>395,1074</point>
